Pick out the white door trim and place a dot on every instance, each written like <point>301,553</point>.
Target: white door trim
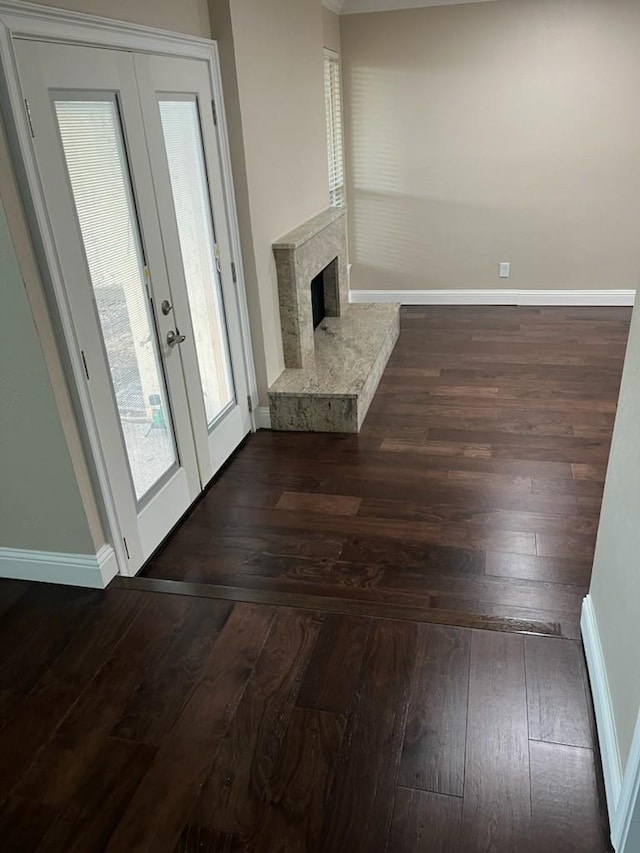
<point>603,708</point>
<point>19,19</point>
<point>622,787</point>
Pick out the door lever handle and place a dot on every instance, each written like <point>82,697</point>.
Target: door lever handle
<point>174,337</point>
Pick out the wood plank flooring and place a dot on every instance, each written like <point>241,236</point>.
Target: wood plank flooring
<point>176,723</point>
<point>471,496</point>
<point>304,665</point>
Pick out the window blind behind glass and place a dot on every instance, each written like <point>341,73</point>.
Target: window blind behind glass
<point>333,109</point>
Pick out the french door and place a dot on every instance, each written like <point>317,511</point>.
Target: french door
<point>131,175</point>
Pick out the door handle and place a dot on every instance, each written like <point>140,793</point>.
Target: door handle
<point>174,337</point>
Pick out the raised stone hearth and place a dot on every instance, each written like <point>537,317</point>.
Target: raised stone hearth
<point>334,394</point>
<point>331,372</point>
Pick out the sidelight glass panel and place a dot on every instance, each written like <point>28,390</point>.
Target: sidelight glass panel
<point>188,175</point>
<point>96,161</point>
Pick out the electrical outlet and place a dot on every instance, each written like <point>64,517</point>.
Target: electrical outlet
<point>505,270</point>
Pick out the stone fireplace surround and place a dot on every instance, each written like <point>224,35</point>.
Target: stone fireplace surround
<point>300,256</point>
<point>332,373</point>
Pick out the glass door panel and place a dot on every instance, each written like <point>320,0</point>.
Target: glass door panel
<point>189,186</point>
<point>94,151</point>
<point>194,203</point>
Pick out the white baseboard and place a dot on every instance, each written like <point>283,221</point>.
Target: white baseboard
<point>496,297</point>
<point>91,570</point>
<point>263,417</point>
<point>605,722</point>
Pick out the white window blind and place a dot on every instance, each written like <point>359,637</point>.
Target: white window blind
<point>93,147</point>
<point>334,128</point>
<point>187,171</point>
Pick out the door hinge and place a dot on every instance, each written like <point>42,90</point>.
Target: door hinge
<point>216,253</point>
<point>126,547</point>
<point>215,111</point>
<point>234,274</point>
<point>28,110</point>
<point>84,361</point>
<point>250,403</point>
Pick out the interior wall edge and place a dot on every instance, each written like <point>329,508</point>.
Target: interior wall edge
<point>627,825</point>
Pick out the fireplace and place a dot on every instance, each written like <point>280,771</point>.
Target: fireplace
<point>323,285</point>
<point>312,282</point>
<point>318,311</point>
<point>334,352</point>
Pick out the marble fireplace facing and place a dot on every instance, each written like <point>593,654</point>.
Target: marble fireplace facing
<point>334,352</point>
<point>317,247</point>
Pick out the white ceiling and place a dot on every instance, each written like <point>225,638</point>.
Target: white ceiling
<point>351,7</point>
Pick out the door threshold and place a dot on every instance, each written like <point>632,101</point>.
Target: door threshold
<point>342,606</point>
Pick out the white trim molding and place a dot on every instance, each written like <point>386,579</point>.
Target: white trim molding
<point>605,722</point>
<point>496,297</point>
<point>354,7</point>
<point>622,789</point>
<point>263,417</point>
<point>90,570</point>
<point>234,229</point>
<point>33,20</point>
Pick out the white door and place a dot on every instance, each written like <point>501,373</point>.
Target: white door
<point>182,140</point>
<point>131,177</point>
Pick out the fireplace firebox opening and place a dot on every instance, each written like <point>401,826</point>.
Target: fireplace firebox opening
<point>324,293</point>
<point>318,309</point>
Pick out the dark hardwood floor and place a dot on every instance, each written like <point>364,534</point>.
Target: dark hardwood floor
<point>142,721</point>
<point>471,497</point>
<point>303,667</point>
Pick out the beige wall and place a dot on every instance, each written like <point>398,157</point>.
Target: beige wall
<point>331,29</point>
<point>182,16</point>
<point>615,585</point>
<point>40,505</point>
<point>505,131</point>
<point>280,157</point>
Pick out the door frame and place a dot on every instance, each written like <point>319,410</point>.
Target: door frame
<point>22,20</point>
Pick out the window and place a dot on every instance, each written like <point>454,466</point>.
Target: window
<point>334,128</point>
<point>93,146</point>
<point>187,172</point>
